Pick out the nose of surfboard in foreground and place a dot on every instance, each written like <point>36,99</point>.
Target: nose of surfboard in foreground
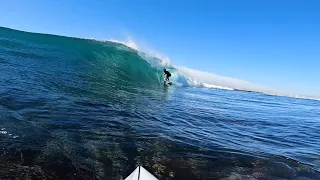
<point>140,173</point>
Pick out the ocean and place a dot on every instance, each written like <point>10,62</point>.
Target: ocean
<point>73,108</point>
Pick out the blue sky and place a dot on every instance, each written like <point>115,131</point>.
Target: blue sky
<point>275,43</point>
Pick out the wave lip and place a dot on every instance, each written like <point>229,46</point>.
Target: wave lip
<point>131,44</point>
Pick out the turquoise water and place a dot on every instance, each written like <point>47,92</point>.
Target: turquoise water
<point>82,109</point>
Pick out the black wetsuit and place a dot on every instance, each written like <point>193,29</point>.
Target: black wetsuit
<point>167,74</point>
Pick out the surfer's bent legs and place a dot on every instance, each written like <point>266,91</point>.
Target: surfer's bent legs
<point>167,78</point>
<point>167,74</point>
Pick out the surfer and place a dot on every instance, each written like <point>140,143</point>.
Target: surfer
<point>167,74</point>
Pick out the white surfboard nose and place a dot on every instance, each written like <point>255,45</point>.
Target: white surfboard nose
<point>140,173</point>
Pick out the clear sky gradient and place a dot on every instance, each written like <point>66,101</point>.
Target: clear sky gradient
<point>275,43</point>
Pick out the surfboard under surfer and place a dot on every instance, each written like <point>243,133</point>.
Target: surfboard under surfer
<point>167,73</point>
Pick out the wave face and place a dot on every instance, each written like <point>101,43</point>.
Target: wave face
<point>116,64</point>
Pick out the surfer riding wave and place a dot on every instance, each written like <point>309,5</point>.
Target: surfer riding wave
<point>167,73</point>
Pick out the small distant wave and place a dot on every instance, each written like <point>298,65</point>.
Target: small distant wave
<point>299,97</point>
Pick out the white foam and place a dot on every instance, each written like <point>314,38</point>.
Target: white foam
<point>222,81</point>
<point>152,56</point>
<point>216,87</point>
<point>3,131</point>
<point>129,42</point>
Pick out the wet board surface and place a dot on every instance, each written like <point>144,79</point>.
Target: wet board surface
<point>167,83</point>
